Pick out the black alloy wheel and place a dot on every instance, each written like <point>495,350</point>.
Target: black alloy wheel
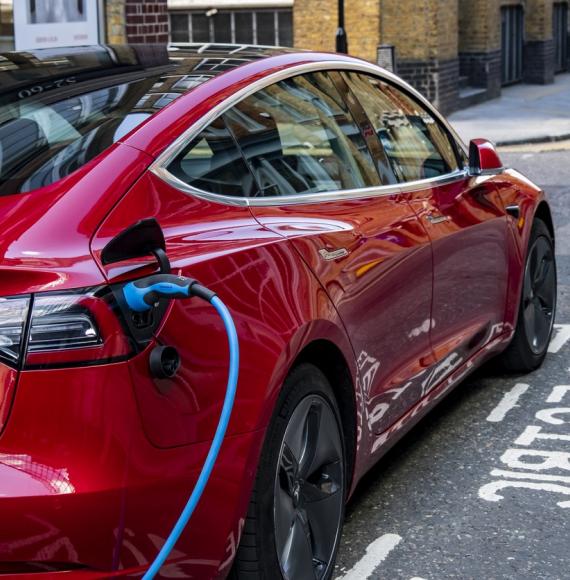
<point>295,516</point>
<point>539,294</point>
<point>309,490</point>
<point>537,308</point>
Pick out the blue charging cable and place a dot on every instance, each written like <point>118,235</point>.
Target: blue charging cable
<point>142,295</point>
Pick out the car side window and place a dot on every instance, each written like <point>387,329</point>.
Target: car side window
<point>213,162</point>
<point>416,144</point>
<point>299,138</point>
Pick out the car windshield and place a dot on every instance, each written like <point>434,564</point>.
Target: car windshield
<point>59,110</point>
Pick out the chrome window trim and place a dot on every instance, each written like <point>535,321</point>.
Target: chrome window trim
<point>158,167</point>
<point>310,198</point>
<point>457,175</point>
<point>488,172</point>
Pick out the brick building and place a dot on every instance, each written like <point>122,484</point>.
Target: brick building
<point>136,21</point>
<point>457,52</point>
<point>506,41</point>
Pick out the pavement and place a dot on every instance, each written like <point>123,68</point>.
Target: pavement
<point>465,495</point>
<point>523,114</point>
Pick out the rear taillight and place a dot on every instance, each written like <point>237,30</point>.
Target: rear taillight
<point>65,328</point>
<point>13,315</point>
<point>60,323</point>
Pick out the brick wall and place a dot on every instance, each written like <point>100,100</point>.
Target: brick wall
<point>406,25</point>
<point>445,18</point>
<point>315,23</point>
<point>362,19</point>
<point>538,20</point>
<point>146,21</point>
<point>483,70</point>
<point>420,30</point>
<point>436,79</point>
<point>426,38</point>
<point>480,43</point>
<point>539,50</point>
<point>539,62</point>
<point>480,26</point>
<point>425,35</point>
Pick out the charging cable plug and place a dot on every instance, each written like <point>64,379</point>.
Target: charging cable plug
<point>144,294</point>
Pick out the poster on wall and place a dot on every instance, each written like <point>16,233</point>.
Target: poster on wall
<point>55,23</point>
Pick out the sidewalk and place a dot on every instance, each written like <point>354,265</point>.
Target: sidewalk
<point>523,114</point>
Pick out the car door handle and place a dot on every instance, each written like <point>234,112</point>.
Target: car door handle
<point>333,254</point>
<point>436,218</point>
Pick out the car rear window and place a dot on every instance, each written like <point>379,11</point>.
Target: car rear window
<point>44,140</point>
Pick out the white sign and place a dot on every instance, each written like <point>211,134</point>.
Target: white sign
<point>55,23</point>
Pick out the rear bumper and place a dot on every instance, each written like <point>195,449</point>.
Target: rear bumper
<point>87,495</point>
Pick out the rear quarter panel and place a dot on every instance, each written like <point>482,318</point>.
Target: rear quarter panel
<point>277,304</point>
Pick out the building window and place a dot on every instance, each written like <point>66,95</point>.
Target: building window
<point>179,27</point>
<point>269,27</point>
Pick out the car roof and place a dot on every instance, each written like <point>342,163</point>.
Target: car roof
<point>47,69</point>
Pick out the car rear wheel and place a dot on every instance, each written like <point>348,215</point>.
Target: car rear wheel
<point>295,516</point>
<point>537,306</point>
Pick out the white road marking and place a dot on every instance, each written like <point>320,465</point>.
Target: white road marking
<point>548,415</point>
<point>376,553</point>
<point>535,476</point>
<point>548,459</point>
<point>488,492</point>
<point>560,338</point>
<point>558,393</point>
<point>508,402</point>
<point>534,432</point>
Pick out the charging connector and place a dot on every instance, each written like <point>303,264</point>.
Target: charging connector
<point>144,294</point>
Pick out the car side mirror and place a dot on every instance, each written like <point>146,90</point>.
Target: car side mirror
<point>483,158</point>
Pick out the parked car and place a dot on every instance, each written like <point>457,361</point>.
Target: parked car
<point>370,259</point>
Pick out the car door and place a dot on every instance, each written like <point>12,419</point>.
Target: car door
<point>463,217</point>
<point>337,204</point>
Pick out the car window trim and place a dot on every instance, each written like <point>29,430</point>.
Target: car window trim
<point>159,166</point>
<point>309,198</point>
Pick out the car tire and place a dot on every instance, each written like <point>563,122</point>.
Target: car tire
<point>296,512</point>
<point>528,348</point>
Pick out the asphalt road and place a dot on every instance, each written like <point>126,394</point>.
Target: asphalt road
<point>457,497</point>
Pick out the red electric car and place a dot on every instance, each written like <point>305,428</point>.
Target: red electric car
<point>369,258</point>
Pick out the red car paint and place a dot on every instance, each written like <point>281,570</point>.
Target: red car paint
<point>96,462</point>
<point>487,154</point>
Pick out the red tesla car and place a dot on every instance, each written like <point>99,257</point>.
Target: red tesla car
<point>370,261</point>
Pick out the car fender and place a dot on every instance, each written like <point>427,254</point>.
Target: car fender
<point>521,199</point>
